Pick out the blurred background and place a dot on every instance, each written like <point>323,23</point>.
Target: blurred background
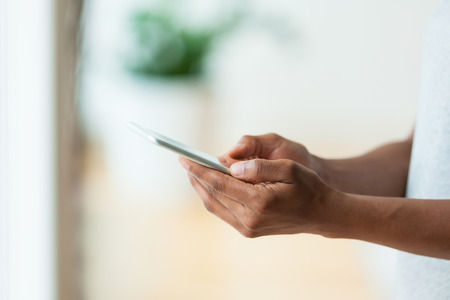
<point>341,77</point>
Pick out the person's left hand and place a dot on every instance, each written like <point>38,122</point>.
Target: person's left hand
<point>264,197</point>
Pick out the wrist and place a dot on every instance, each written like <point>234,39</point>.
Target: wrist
<point>334,173</point>
<point>351,216</point>
<point>333,217</point>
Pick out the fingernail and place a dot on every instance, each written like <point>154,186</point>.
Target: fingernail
<point>237,169</point>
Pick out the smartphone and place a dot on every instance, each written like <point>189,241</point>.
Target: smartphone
<point>177,147</point>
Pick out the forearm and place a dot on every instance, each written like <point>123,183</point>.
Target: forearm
<point>416,226</point>
<point>381,172</point>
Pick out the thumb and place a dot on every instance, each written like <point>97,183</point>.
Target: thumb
<point>262,170</point>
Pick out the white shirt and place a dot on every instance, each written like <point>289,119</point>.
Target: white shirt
<point>420,277</point>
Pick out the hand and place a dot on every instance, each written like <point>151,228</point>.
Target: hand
<point>263,197</point>
<point>271,146</point>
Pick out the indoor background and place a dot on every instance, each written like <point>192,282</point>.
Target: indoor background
<point>341,77</point>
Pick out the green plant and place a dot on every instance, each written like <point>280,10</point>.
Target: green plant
<point>165,48</point>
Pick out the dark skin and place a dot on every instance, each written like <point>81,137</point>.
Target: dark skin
<point>277,187</point>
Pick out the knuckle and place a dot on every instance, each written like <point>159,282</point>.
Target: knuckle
<point>261,166</point>
<point>262,207</point>
<point>211,192</point>
<point>248,233</point>
<point>290,167</point>
<point>246,138</point>
<point>249,141</point>
<point>257,166</point>
<point>273,136</point>
<point>252,223</point>
<point>264,204</point>
<point>218,183</point>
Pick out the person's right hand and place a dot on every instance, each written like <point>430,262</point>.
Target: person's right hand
<point>270,146</point>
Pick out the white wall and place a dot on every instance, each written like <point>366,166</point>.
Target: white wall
<point>350,82</point>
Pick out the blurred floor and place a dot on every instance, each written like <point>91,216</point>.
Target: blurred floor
<point>135,250</point>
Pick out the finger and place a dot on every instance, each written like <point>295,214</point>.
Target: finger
<point>254,146</point>
<point>225,184</point>
<point>261,170</point>
<point>235,207</point>
<point>227,161</point>
<point>218,208</point>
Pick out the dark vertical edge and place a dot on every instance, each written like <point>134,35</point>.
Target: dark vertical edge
<point>67,46</point>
